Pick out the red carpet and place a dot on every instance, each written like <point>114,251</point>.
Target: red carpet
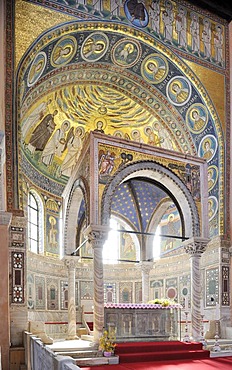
<point>159,351</point>
<point>173,355</point>
<point>219,363</point>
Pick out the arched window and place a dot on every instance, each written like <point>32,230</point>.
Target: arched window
<point>35,222</point>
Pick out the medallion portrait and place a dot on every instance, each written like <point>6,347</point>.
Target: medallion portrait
<point>36,68</point>
<point>208,147</point>
<point>63,51</point>
<point>212,207</point>
<point>179,90</point>
<point>154,68</point>
<point>94,47</point>
<point>126,53</point>
<point>197,118</point>
<point>212,176</point>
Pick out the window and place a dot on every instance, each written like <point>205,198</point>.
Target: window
<point>156,244</point>
<point>111,246</point>
<point>120,246</point>
<point>35,217</point>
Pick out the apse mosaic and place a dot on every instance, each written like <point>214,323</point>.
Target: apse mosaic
<point>177,23</point>
<point>129,82</point>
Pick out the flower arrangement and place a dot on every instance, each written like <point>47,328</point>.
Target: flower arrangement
<point>162,301</point>
<point>107,341</point>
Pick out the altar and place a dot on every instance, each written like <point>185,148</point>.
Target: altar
<point>142,322</point>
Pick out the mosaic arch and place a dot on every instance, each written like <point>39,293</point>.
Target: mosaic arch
<point>131,83</point>
<point>77,202</point>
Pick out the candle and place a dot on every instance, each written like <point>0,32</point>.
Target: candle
<point>217,312</point>
<point>186,303</point>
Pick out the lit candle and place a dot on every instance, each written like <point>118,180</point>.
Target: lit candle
<point>217,312</point>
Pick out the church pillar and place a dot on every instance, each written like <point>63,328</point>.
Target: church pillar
<point>5,219</point>
<point>195,247</point>
<point>2,172</point>
<point>97,236</point>
<point>70,262</point>
<point>146,267</point>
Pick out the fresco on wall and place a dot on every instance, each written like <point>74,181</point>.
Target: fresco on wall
<point>70,86</point>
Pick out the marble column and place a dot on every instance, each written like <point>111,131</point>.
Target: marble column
<point>70,262</point>
<point>97,235</point>
<point>195,247</point>
<point>146,267</point>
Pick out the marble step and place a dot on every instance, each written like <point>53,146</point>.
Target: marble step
<point>80,353</point>
<point>113,360</point>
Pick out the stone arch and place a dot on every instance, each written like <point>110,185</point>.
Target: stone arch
<point>78,192</point>
<point>158,214</point>
<point>155,220</point>
<point>170,181</point>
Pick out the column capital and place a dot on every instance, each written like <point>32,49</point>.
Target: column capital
<point>96,235</point>
<point>71,261</point>
<point>146,266</point>
<point>195,246</point>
